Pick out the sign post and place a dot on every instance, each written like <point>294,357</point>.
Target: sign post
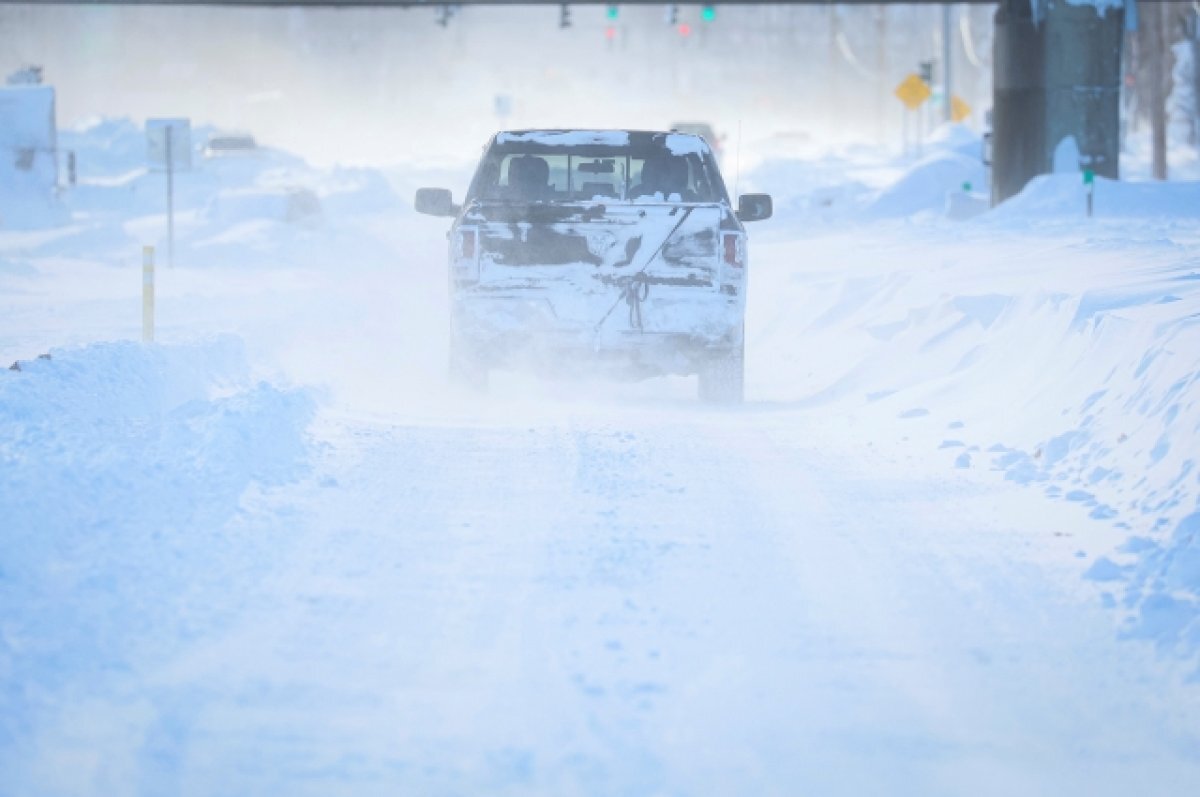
<point>170,201</point>
<point>169,149</point>
<point>913,91</point>
<point>147,294</point>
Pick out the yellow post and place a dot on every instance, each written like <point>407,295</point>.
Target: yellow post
<point>147,294</point>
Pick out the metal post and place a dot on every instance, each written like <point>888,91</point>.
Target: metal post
<point>170,202</point>
<point>147,294</point>
<point>881,70</point>
<point>947,110</point>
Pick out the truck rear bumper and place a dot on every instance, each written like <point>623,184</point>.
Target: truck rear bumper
<point>676,336</point>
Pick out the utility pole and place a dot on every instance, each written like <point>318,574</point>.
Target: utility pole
<point>1154,17</point>
<point>831,57</point>
<point>882,90</point>
<point>947,110</point>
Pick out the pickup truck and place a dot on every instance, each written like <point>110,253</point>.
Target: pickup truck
<point>598,250</point>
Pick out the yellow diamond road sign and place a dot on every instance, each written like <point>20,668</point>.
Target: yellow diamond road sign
<point>913,91</point>
<point>959,109</point>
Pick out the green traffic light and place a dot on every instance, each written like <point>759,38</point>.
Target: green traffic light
<point>708,13</point>
<point>613,11</point>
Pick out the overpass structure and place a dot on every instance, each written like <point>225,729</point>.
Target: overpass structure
<point>1056,72</point>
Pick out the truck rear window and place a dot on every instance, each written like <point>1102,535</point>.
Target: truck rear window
<point>533,172</point>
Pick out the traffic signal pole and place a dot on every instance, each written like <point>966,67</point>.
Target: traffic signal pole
<point>947,109</point>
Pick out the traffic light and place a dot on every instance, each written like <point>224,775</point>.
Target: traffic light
<point>925,70</point>
<point>708,13</point>
<point>613,12</point>
<point>671,17</point>
<point>564,16</point>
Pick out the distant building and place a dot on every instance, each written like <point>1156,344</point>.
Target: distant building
<point>28,150</point>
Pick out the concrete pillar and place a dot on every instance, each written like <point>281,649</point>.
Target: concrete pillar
<point>1057,75</point>
<point>1018,100</point>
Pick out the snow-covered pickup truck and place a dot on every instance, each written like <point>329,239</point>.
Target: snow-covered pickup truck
<point>599,250</point>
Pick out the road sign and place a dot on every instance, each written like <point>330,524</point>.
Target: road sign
<point>959,110</point>
<point>913,92</point>
<point>169,135</point>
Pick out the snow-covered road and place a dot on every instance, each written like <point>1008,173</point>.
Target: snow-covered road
<point>943,549</point>
<point>640,599</point>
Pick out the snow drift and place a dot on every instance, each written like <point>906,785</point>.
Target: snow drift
<point>119,465</point>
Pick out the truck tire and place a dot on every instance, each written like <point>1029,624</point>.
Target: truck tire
<point>722,378</point>
<point>468,371</point>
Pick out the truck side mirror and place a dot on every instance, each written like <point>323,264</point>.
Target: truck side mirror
<point>755,207</point>
<point>436,202</point>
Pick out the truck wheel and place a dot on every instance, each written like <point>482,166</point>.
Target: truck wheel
<point>468,371</point>
<point>722,379</point>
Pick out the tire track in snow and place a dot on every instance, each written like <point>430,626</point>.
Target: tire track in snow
<point>579,600</point>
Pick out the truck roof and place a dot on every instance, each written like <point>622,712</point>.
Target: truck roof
<point>676,143</point>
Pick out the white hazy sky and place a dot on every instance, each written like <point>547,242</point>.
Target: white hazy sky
<point>381,85</point>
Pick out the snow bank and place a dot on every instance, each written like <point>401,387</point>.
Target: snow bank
<point>863,184</point>
<point>1070,365</point>
<point>805,192</point>
<point>1073,372</point>
<point>1064,196</point>
<point>120,465</point>
<point>110,156</point>
<point>956,137</point>
<point>84,432</point>
<point>925,186</point>
<point>1123,374</point>
<point>104,147</point>
<point>294,205</point>
<point>254,209</point>
<point>358,190</point>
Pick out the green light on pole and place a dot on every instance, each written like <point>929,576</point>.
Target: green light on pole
<point>708,13</point>
<point>613,12</point>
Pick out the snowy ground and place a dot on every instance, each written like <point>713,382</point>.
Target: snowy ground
<point>950,545</point>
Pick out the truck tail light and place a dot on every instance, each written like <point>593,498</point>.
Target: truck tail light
<point>733,251</point>
<point>466,244</point>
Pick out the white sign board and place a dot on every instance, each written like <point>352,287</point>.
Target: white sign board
<point>169,134</point>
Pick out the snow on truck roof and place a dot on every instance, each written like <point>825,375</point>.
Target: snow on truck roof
<point>676,143</point>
